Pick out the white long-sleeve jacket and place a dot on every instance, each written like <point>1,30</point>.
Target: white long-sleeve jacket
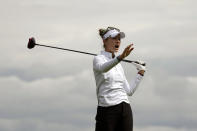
<point>112,85</point>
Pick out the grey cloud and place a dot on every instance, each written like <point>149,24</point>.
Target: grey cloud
<point>175,66</point>
<point>53,101</point>
<point>164,99</point>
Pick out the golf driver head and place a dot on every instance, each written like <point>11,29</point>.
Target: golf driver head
<point>31,43</point>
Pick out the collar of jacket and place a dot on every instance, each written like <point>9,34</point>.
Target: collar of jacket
<point>107,54</point>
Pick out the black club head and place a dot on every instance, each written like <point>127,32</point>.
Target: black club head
<point>31,43</point>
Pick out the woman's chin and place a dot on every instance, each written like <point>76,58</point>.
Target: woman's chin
<point>116,50</point>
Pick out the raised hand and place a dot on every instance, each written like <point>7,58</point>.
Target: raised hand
<point>126,51</point>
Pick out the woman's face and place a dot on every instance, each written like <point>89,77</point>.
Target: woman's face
<point>112,44</point>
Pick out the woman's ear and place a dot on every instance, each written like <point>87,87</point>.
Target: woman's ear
<point>105,40</point>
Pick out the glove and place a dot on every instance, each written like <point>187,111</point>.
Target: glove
<point>140,65</point>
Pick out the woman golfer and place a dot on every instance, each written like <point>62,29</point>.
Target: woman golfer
<point>114,112</point>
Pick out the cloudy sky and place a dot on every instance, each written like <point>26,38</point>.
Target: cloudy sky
<point>51,90</point>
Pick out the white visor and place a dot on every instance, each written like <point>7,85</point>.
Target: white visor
<point>113,33</point>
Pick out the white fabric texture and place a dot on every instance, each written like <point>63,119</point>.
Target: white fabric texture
<point>113,33</point>
<point>112,85</point>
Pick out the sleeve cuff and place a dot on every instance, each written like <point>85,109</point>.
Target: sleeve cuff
<point>139,77</point>
<point>119,59</point>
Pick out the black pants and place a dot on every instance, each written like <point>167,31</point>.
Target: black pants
<point>114,118</point>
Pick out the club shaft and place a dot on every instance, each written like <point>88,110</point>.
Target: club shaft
<point>128,61</point>
<point>67,49</point>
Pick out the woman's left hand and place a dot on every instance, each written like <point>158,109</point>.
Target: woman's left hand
<point>140,67</point>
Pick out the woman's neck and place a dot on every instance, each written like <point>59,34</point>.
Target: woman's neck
<point>113,54</point>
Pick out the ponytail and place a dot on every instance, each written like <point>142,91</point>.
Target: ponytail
<point>102,32</point>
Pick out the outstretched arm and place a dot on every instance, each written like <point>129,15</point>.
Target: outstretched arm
<point>101,66</point>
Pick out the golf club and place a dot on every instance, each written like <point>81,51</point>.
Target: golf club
<point>32,43</point>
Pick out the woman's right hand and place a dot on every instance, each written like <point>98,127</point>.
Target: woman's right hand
<point>126,51</point>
